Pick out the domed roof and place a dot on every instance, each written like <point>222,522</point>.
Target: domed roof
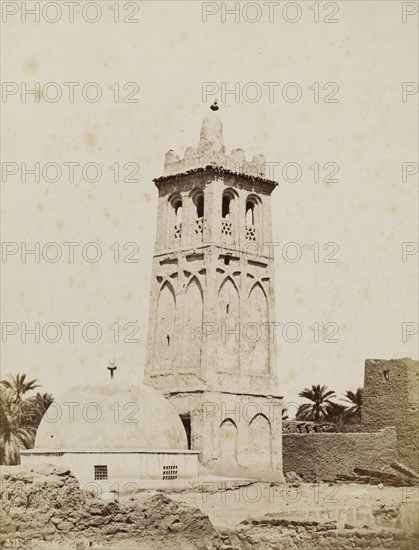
<point>111,417</point>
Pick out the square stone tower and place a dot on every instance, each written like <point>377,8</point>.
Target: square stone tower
<point>211,347</point>
<point>391,398</point>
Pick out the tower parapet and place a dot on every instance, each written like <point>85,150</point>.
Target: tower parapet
<point>211,151</point>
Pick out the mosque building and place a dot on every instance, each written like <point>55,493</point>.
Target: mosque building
<point>211,388</point>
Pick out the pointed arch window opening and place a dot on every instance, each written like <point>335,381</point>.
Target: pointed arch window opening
<point>250,213</point>
<point>250,221</point>
<point>200,206</point>
<point>226,207</point>
<point>226,225</point>
<point>199,221</point>
<point>177,206</point>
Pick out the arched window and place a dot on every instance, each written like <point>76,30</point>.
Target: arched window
<point>250,213</point>
<point>198,200</point>
<point>178,212</point>
<point>226,207</point>
<point>199,203</point>
<point>253,221</point>
<point>175,219</point>
<point>228,212</point>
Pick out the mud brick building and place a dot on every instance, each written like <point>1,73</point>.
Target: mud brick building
<point>391,398</point>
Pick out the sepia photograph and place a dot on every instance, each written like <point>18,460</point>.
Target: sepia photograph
<point>209,275</point>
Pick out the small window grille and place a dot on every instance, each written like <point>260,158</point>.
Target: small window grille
<point>250,233</point>
<point>169,472</point>
<point>178,230</point>
<point>101,472</point>
<point>226,227</point>
<point>199,224</point>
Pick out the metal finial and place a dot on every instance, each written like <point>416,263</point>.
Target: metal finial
<point>214,106</point>
<point>112,367</point>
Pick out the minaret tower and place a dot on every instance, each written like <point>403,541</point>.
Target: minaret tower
<point>211,348</point>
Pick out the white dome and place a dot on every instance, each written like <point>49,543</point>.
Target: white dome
<point>111,417</point>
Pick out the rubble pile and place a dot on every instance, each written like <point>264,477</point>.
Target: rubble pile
<point>396,475</point>
<point>45,503</point>
<point>43,506</point>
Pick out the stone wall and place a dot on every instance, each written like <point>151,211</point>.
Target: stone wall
<point>391,398</point>
<point>322,456</point>
<point>302,427</point>
<point>308,426</point>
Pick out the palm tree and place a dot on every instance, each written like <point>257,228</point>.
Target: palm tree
<point>18,386</point>
<point>16,428</point>
<point>19,418</point>
<point>353,412</point>
<point>320,401</point>
<point>37,406</point>
<point>336,413</point>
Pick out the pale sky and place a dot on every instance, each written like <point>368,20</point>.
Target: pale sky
<point>171,53</point>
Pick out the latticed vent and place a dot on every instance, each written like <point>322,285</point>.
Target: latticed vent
<point>178,230</point>
<point>250,232</point>
<point>226,227</point>
<point>101,472</point>
<point>169,472</point>
<point>199,224</point>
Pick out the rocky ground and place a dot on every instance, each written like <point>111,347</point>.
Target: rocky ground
<point>43,507</point>
<point>342,502</point>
